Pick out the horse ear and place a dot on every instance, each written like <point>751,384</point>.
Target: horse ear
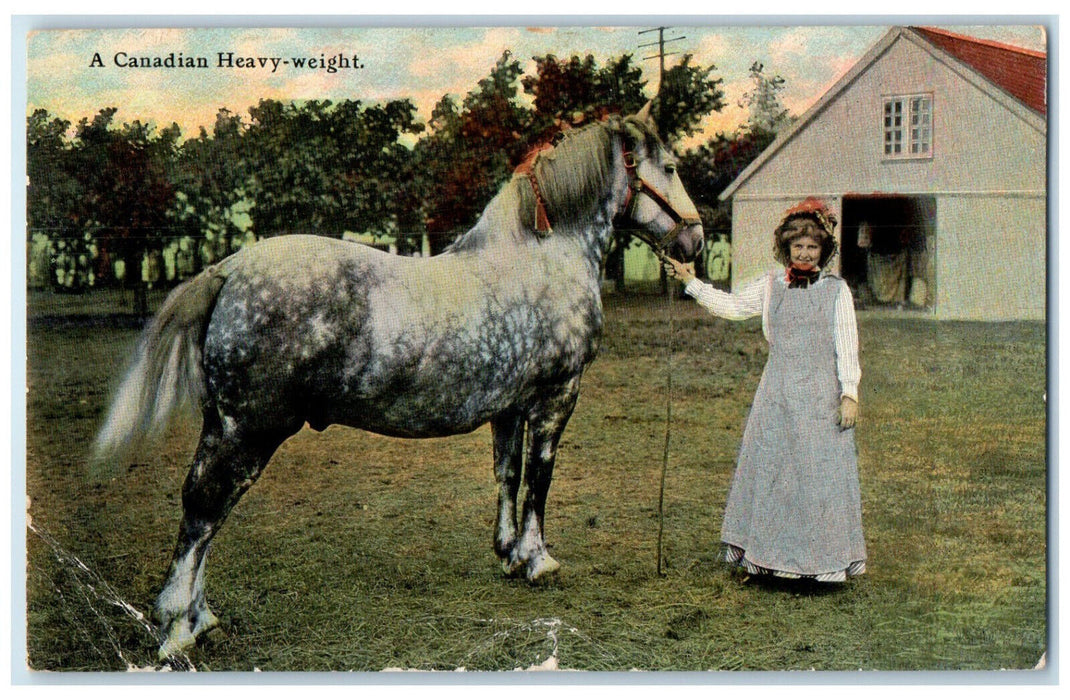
<point>646,117</point>
<point>644,114</point>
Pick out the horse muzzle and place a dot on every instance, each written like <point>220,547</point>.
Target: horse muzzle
<point>684,242</point>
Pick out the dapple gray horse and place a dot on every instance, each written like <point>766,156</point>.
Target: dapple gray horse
<point>305,329</point>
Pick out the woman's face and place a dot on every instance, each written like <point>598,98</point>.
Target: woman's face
<point>804,251</point>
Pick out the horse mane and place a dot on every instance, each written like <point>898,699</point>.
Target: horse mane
<point>573,177</point>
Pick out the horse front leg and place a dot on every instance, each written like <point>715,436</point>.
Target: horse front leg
<point>546,423</point>
<point>508,432</point>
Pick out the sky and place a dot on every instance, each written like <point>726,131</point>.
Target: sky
<point>423,63</point>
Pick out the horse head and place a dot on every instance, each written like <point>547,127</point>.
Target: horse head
<point>657,208</point>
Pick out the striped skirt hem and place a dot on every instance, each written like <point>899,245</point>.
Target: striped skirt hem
<point>736,555</point>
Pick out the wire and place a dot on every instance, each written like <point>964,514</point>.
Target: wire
<point>668,428</point>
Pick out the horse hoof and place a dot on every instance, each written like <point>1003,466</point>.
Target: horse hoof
<point>179,639</point>
<point>206,620</point>
<point>511,566</point>
<point>541,567</point>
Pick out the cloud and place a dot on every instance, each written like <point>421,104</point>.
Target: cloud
<point>789,46</point>
<point>711,48</point>
<point>455,69</point>
<point>468,62</point>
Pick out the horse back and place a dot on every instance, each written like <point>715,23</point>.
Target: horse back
<point>324,331</point>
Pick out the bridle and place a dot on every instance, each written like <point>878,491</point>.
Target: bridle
<point>638,186</point>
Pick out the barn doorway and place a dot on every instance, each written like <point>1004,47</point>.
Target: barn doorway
<point>888,250</point>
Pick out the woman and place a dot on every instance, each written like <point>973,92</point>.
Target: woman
<point>794,508</point>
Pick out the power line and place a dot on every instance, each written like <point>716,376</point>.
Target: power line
<point>660,55</point>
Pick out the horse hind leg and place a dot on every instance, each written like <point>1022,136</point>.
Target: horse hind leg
<point>224,467</point>
<point>508,432</point>
<point>184,630</point>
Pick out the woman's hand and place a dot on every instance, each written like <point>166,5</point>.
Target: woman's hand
<point>685,272</point>
<point>848,413</point>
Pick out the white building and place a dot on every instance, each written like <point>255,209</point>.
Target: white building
<point>934,148</point>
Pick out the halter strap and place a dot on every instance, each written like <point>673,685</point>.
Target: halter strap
<point>637,186</point>
<point>542,221</point>
<point>527,168</point>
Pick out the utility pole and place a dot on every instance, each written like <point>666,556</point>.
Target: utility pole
<point>660,55</point>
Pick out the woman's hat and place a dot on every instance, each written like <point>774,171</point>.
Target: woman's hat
<point>810,208</point>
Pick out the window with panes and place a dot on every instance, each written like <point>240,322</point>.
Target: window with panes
<point>908,126</point>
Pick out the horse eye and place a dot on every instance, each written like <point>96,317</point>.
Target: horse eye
<point>670,168</point>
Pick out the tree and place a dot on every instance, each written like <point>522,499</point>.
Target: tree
<point>211,178</point>
<point>441,189</point>
<point>51,193</point>
<point>326,168</point>
<point>685,97</point>
<point>100,197</point>
<point>576,90</point>
<point>123,177</point>
<point>51,188</point>
<point>374,183</point>
<point>766,113</point>
<point>472,150</point>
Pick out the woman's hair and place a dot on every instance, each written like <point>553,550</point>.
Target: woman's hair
<point>823,223</point>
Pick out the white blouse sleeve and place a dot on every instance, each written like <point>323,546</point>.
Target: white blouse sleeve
<point>746,303</point>
<point>846,327</point>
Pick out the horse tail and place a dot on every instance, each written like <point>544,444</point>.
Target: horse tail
<point>166,371</point>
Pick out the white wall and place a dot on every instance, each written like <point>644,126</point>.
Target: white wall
<point>995,265</point>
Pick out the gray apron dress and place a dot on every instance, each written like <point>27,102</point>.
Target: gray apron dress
<point>794,508</point>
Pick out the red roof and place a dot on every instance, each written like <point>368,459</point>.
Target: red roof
<point>1020,72</point>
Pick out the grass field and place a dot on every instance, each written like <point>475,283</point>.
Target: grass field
<point>358,552</point>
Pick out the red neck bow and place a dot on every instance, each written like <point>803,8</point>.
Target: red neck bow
<point>799,277</point>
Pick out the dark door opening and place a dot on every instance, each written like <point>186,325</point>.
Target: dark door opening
<point>888,250</point>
